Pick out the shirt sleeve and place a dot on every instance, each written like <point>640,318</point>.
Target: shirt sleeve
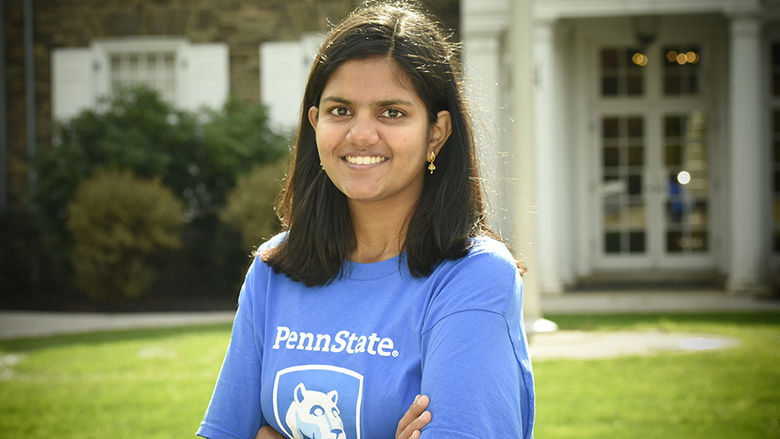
<point>475,363</point>
<point>234,411</point>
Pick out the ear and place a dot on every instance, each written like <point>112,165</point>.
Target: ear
<point>314,113</point>
<point>299,392</point>
<point>440,131</point>
<point>333,396</point>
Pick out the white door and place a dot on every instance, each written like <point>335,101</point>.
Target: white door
<point>653,146</point>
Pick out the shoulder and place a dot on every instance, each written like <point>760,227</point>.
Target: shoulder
<point>272,243</point>
<point>485,279</point>
<point>259,271</point>
<point>487,257</point>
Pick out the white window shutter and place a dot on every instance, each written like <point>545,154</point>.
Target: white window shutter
<point>282,81</point>
<point>73,79</point>
<point>204,76</point>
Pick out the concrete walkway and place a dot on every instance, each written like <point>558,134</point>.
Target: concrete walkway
<point>16,324</point>
<point>654,301</point>
<point>560,344</point>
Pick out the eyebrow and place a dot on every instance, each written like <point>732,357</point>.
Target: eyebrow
<point>381,103</point>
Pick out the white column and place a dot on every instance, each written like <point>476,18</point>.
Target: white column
<point>482,67</point>
<point>547,145</point>
<point>523,159</point>
<point>747,267</point>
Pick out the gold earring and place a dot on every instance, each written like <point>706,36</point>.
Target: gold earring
<point>431,166</point>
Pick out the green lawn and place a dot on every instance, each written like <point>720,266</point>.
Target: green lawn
<point>156,383</point>
<point>733,393</point>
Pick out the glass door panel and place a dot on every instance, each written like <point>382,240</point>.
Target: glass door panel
<point>686,167</point>
<point>624,214</point>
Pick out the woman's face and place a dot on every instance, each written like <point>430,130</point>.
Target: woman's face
<point>373,134</point>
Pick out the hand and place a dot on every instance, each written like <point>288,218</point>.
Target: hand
<point>414,419</point>
<point>266,432</point>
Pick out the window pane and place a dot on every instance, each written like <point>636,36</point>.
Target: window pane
<point>635,156</point>
<point>634,184</point>
<point>637,217</point>
<point>609,58</point>
<point>612,216</point>
<point>636,242</point>
<point>611,157</point>
<point>674,212</point>
<point>681,70</point>
<point>610,127</point>
<point>697,242</point>
<point>621,74</point>
<point>612,242</point>
<point>672,126</point>
<point>698,216</point>
<point>674,242</point>
<point>671,84</point>
<point>609,86</point>
<point>634,85</point>
<point>673,155</point>
<point>635,127</point>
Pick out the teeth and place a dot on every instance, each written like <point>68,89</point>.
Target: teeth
<point>364,160</point>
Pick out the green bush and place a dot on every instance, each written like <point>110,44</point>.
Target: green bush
<point>118,222</point>
<point>198,155</point>
<point>250,206</point>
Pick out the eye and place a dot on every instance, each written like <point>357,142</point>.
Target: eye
<point>340,111</point>
<point>392,113</point>
<point>335,411</point>
<point>317,410</point>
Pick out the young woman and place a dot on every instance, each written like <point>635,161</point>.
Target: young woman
<point>386,283</point>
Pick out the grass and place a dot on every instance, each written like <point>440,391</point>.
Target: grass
<point>733,393</point>
<point>156,383</point>
<point>130,384</point>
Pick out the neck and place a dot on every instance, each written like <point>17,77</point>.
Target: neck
<point>380,230</point>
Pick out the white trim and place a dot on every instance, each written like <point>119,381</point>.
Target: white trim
<point>557,9</point>
<point>771,34</point>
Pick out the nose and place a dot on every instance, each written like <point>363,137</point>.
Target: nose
<point>363,132</point>
<point>337,432</point>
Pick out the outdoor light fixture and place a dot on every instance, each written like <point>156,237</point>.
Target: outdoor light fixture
<point>645,29</point>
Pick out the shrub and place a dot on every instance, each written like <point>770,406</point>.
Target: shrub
<point>250,206</point>
<point>118,222</point>
<point>198,155</point>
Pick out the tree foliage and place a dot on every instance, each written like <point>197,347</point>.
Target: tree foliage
<point>199,155</point>
<point>250,205</point>
<point>118,222</point>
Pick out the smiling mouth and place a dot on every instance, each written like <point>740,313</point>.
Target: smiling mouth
<point>364,160</point>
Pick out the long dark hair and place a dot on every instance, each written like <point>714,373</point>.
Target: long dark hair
<point>450,210</point>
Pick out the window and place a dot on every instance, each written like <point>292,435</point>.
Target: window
<point>682,70</point>
<point>187,75</point>
<point>624,210</point>
<point>154,69</point>
<point>687,182</point>
<point>622,72</point>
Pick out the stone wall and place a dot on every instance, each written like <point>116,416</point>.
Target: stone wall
<point>242,24</point>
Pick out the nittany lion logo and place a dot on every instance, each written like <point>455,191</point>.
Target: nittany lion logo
<point>318,401</point>
<point>314,415</point>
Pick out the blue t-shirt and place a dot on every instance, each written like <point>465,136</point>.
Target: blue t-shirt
<point>345,360</point>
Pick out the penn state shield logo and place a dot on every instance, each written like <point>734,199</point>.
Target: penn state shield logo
<point>318,401</point>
